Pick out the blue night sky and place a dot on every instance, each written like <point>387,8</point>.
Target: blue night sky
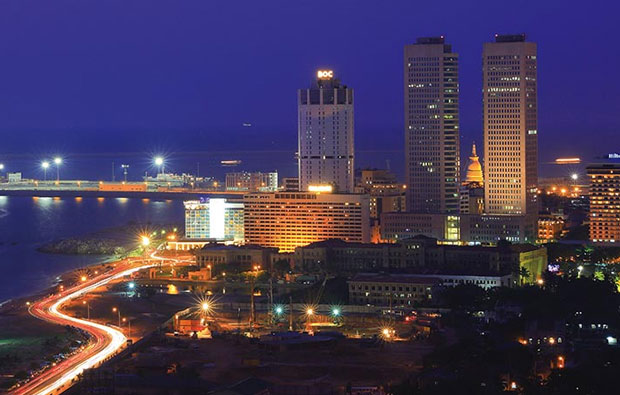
<point>136,75</point>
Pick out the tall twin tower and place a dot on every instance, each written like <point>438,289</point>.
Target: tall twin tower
<point>432,148</point>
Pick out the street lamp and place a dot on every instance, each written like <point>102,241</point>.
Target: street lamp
<point>45,164</point>
<point>574,176</point>
<point>85,303</point>
<point>116,310</point>
<point>129,326</point>
<point>1,166</point>
<point>57,162</point>
<point>159,162</point>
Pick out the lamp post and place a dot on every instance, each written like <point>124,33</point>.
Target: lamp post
<point>57,162</point>
<point>128,326</point>
<point>117,310</point>
<point>125,167</point>
<point>87,309</point>
<point>45,164</point>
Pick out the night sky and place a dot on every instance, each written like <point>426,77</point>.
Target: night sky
<point>138,75</point>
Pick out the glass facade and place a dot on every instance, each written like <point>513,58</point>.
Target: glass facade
<point>214,219</point>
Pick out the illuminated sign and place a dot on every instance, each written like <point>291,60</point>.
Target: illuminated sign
<point>615,155</point>
<point>553,268</point>
<point>325,74</point>
<point>320,188</point>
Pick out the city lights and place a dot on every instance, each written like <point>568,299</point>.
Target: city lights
<point>45,165</point>
<point>159,162</point>
<point>145,241</point>
<point>279,310</point>
<point>57,162</point>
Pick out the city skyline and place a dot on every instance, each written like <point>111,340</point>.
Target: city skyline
<point>54,105</point>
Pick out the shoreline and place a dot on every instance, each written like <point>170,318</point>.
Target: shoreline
<point>50,288</point>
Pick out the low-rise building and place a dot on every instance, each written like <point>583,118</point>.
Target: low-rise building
<point>464,228</point>
<point>213,254</point>
<point>290,184</point>
<point>391,290</point>
<point>252,182</point>
<point>549,228</point>
<point>422,254</point>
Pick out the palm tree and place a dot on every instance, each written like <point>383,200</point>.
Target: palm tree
<point>523,274</point>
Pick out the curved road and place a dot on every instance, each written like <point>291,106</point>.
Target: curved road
<point>105,340</point>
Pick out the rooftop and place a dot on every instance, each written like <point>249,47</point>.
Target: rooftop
<point>510,38</point>
<point>395,278</point>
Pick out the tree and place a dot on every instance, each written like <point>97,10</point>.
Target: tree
<point>523,274</point>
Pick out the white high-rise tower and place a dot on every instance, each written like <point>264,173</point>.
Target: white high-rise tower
<point>325,134</point>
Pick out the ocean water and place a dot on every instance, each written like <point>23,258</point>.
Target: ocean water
<point>26,223</point>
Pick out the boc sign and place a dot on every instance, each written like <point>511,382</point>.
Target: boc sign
<point>325,74</point>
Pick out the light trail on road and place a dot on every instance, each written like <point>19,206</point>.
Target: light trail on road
<point>106,340</point>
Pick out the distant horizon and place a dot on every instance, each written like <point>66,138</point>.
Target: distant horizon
<point>101,77</point>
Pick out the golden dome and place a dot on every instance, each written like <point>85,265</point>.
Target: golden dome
<point>474,169</point>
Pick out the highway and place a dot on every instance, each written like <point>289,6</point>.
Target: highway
<point>105,340</point>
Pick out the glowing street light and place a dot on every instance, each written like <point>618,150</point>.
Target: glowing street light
<point>129,326</point>
<point>279,310</point>
<point>117,310</point>
<point>45,164</point>
<point>159,162</point>
<point>335,312</point>
<point>1,166</point>
<point>574,176</point>
<point>205,306</point>
<point>145,241</point>
<point>58,162</point>
<point>131,285</point>
<point>83,278</point>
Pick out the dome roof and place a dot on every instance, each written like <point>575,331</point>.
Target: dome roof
<point>474,169</point>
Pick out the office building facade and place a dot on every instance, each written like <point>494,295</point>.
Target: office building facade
<point>286,220</point>
<point>214,219</point>
<point>510,126</point>
<point>604,203</point>
<point>431,126</point>
<point>325,134</point>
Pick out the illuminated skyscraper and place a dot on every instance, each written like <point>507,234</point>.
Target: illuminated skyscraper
<point>510,125</point>
<point>604,203</point>
<point>286,220</point>
<point>325,134</point>
<point>431,126</point>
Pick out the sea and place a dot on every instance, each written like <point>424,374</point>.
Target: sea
<point>26,223</point>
